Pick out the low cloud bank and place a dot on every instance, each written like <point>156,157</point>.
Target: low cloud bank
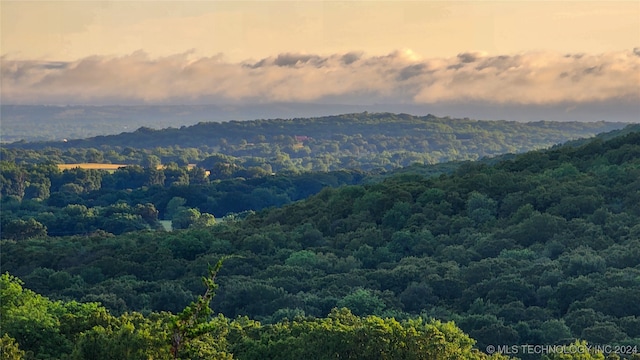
<point>536,78</point>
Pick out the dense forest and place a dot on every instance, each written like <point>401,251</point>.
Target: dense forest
<point>539,248</point>
<point>365,141</point>
<point>233,176</point>
<point>41,198</point>
<point>82,201</point>
<point>35,327</point>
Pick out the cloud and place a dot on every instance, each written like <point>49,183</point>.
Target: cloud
<point>400,76</point>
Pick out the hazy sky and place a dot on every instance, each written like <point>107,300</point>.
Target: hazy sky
<point>503,52</point>
<point>69,30</point>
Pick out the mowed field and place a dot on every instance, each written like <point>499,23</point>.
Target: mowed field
<point>100,166</point>
<point>94,166</point>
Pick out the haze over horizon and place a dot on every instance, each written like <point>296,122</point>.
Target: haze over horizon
<point>534,57</point>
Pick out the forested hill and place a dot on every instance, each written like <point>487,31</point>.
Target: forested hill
<point>375,129</point>
<point>540,249</point>
<point>364,141</point>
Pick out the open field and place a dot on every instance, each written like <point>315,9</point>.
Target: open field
<point>94,166</point>
<point>166,224</point>
<point>100,166</point>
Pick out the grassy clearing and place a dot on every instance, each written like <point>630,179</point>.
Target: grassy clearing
<point>108,167</point>
<point>93,166</point>
<point>166,224</point>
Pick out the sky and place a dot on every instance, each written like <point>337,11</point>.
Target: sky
<point>503,53</point>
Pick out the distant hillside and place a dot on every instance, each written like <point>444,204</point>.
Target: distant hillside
<point>48,123</point>
<point>45,123</point>
<point>364,140</point>
<point>450,167</point>
<point>605,135</point>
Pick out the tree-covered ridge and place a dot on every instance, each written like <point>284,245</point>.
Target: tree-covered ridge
<point>39,198</point>
<point>35,327</point>
<point>540,249</point>
<point>364,141</point>
<point>213,133</point>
